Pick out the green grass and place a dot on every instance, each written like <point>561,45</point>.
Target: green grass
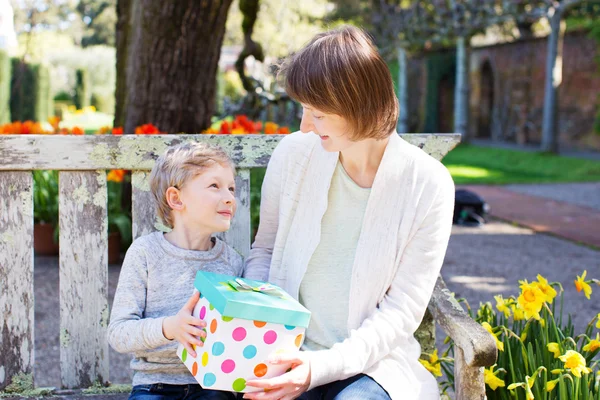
<point>481,165</point>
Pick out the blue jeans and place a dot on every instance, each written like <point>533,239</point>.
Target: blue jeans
<point>163,391</point>
<point>359,387</point>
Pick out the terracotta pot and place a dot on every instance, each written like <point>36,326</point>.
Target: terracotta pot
<point>114,247</point>
<point>43,240</point>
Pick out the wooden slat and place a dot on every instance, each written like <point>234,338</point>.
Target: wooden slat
<point>83,278</point>
<point>238,236</point>
<point>133,152</point>
<point>16,275</point>
<point>143,213</point>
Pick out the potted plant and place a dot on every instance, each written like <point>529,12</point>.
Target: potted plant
<point>119,220</point>
<point>45,212</point>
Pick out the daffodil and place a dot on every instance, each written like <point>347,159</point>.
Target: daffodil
<point>593,345</point>
<point>433,365</point>
<point>518,313</point>
<point>488,328</point>
<point>491,379</point>
<point>550,385</point>
<point>554,348</point>
<point>548,290</point>
<point>581,284</point>
<point>598,321</point>
<point>531,299</point>
<point>502,305</point>
<point>575,363</point>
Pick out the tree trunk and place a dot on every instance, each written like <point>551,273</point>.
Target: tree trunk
<point>402,90</point>
<point>461,90</point>
<point>169,52</point>
<point>552,82</point>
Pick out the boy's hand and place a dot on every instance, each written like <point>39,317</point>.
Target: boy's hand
<point>185,328</point>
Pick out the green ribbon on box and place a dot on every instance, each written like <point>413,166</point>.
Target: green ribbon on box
<point>240,286</point>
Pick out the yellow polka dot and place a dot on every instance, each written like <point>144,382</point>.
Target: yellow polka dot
<point>205,359</point>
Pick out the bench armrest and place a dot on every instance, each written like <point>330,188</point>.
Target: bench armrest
<point>477,344</point>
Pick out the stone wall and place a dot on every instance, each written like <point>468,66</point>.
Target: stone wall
<point>507,91</point>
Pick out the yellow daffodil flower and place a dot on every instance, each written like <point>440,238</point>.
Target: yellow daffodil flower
<point>598,321</point>
<point>581,284</point>
<point>531,299</point>
<point>518,313</point>
<point>575,363</point>
<point>488,328</point>
<point>550,385</point>
<point>502,306</point>
<point>554,348</point>
<point>593,345</point>
<point>548,290</point>
<point>491,379</point>
<point>433,365</point>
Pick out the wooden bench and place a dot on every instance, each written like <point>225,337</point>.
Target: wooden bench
<point>84,311</point>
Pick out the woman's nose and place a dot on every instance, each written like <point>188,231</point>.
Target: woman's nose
<point>306,124</point>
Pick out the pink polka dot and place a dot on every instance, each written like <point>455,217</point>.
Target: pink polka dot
<point>239,334</point>
<point>202,312</point>
<point>228,366</point>
<point>270,337</point>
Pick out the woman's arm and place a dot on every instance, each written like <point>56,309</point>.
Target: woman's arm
<point>259,261</point>
<point>403,307</point>
<point>128,330</point>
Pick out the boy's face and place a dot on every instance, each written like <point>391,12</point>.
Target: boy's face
<point>208,199</point>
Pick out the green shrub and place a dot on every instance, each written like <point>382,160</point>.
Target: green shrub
<point>30,92</point>
<point>82,89</point>
<point>5,78</point>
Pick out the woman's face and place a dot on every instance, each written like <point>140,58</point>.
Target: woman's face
<point>331,128</point>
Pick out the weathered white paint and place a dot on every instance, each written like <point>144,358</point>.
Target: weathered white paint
<point>83,278</point>
<point>133,152</point>
<point>238,235</point>
<point>16,275</point>
<point>475,347</point>
<point>143,211</point>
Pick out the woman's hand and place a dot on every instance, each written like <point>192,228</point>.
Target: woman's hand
<point>287,386</point>
<point>185,328</point>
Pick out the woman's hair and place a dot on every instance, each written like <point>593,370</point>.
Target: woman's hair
<point>177,166</point>
<point>340,72</point>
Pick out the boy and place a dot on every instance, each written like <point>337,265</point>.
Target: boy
<point>193,186</point>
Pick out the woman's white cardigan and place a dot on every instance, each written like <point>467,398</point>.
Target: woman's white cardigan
<point>399,255</point>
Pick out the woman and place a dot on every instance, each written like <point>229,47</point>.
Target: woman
<point>354,222</point>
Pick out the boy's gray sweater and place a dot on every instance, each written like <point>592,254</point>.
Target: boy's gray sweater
<point>157,279</point>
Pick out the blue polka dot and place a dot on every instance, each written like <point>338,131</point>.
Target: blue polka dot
<point>290,327</point>
<point>249,352</point>
<point>209,379</point>
<point>218,348</point>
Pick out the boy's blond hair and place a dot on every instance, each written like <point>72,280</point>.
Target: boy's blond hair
<point>178,165</point>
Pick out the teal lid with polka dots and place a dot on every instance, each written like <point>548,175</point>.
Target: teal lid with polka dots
<point>236,297</point>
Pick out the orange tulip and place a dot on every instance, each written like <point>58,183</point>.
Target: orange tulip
<point>116,175</point>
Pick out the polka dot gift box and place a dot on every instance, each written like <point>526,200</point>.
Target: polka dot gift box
<point>247,321</point>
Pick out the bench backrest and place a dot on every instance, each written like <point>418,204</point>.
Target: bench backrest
<point>82,162</point>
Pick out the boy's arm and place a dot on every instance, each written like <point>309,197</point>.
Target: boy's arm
<point>129,331</point>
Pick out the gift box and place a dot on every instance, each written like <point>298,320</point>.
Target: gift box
<point>247,322</point>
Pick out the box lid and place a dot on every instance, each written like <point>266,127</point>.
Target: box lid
<point>253,300</point>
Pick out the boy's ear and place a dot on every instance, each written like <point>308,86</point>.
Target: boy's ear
<point>174,199</point>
